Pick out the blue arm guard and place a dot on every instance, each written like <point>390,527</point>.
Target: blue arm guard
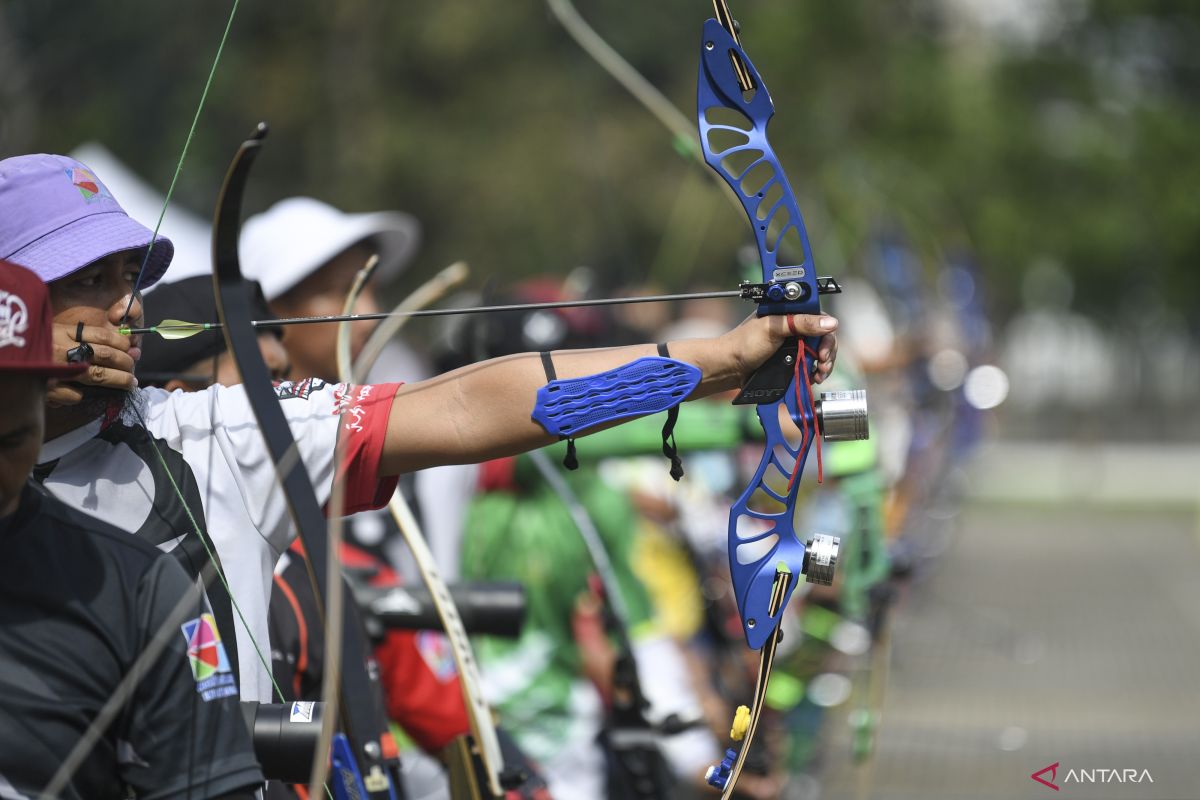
<point>645,386</point>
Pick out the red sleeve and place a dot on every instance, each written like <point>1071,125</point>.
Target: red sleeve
<point>366,410</point>
<point>422,688</point>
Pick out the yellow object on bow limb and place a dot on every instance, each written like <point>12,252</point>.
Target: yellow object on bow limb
<point>744,726</point>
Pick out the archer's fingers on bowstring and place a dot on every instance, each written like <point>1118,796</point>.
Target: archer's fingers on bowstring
<point>109,348</point>
<point>110,364</point>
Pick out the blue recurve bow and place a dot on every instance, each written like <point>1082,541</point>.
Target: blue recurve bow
<point>733,108</point>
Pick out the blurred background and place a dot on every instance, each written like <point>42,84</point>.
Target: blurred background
<point>1008,190</point>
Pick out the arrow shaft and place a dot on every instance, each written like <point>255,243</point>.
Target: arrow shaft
<point>447,312</point>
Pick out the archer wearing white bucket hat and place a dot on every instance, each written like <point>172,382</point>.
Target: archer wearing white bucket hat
<point>305,254</point>
<point>296,237</point>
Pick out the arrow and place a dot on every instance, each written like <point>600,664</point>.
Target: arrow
<point>179,329</point>
<point>757,292</point>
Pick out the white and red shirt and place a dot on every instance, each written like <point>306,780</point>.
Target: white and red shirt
<point>167,463</point>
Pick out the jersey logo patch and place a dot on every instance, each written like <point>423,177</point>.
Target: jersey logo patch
<point>286,390</point>
<point>210,665</point>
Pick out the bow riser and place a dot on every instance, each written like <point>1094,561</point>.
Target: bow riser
<point>760,183</point>
<point>759,540</point>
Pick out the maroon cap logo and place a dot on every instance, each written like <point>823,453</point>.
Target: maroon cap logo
<point>25,326</point>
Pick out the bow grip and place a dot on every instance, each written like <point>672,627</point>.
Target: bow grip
<point>771,381</point>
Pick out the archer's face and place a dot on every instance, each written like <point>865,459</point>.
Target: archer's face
<point>99,293</point>
<point>21,426</point>
<point>312,349</point>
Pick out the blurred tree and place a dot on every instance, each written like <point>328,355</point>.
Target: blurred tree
<point>1024,130</point>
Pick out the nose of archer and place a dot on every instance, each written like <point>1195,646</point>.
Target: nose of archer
<point>123,308</point>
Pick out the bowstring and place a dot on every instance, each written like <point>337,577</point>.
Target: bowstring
<point>212,558</point>
<point>125,318</point>
<point>137,409</point>
<point>159,641</point>
<point>182,156</point>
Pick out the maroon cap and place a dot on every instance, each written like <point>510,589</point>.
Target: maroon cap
<point>25,326</point>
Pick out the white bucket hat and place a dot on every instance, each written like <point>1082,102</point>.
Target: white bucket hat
<point>293,238</point>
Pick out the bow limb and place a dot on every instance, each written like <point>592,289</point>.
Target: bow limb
<point>343,682</point>
<point>683,132</point>
<point>624,73</point>
<point>597,552</point>
<point>361,279</point>
<point>485,749</point>
<point>425,295</point>
<point>233,310</point>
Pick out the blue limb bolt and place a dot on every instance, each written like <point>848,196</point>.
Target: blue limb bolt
<point>718,774</point>
<point>775,293</point>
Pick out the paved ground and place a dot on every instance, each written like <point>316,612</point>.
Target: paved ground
<point>1095,473</point>
<point>1068,634</point>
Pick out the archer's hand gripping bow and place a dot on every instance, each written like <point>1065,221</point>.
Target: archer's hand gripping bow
<point>733,109</point>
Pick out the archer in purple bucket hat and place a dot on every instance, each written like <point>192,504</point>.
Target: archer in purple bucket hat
<point>56,217</point>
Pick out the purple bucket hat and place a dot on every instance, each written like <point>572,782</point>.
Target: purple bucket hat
<point>56,217</point>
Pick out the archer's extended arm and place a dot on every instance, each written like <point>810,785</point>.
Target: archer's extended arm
<point>483,411</point>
